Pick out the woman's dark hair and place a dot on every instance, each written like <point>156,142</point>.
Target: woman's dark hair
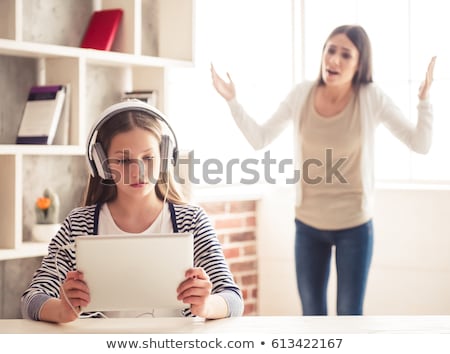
<point>102,191</point>
<point>360,39</point>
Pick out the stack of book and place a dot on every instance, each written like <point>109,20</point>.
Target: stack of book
<point>45,119</point>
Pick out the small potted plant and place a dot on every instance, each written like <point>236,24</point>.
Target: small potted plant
<point>47,213</point>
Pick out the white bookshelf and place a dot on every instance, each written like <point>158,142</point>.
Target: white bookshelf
<point>15,149</point>
<point>93,56</point>
<point>133,64</point>
<point>24,250</point>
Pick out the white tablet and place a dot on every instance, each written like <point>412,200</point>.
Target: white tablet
<point>134,272</point>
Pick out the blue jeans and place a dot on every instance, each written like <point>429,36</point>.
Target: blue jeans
<point>313,248</point>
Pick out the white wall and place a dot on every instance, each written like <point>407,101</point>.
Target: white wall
<point>410,273</point>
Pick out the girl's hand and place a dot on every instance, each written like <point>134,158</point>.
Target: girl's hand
<point>74,293</point>
<point>426,84</point>
<point>196,291</point>
<point>225,89</point>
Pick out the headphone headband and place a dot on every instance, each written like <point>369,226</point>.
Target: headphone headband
<point>112,111</point>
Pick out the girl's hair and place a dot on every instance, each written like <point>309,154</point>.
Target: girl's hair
<point>102,191</point>
<point>361,40</point>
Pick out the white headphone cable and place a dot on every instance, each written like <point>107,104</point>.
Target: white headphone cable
<point>66,247</point>
<point>77,313</point>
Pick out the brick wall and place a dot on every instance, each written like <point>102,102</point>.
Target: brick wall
<point>235,223</point>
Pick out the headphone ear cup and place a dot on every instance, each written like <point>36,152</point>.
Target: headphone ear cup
<point>166,152</point>
<point>101,161</point>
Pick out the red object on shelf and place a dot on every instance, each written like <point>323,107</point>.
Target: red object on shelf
<point>102,29</point>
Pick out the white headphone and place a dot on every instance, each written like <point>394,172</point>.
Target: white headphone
<point>96,156</point>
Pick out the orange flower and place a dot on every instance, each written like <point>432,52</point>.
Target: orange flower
<point>43,203</point>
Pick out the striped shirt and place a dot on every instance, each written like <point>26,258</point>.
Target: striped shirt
<point>208,254</point>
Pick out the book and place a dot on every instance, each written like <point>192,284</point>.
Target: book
<point>102,29</point>
<point>41,114</point>
<point>148,96</point>
<point>62,130</point>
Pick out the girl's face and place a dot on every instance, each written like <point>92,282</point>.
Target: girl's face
<point>134,161</point>
<point>340,61</point>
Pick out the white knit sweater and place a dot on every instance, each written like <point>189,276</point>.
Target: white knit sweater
<point>375,107</point>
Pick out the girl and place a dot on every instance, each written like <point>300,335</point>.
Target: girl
<point>136,196</point>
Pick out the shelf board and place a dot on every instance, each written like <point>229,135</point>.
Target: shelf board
<point>93,56</point>
<point>26,250</point>
<point>15,149</point>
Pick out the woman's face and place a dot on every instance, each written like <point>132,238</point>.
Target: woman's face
<point>134,161</point>
<point>340,61</point>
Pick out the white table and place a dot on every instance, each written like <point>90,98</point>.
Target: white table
<point>245,324</point>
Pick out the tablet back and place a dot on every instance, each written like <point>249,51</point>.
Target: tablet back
<point>134,272</point>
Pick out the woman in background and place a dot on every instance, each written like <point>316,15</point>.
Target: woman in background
<point>334,119</point>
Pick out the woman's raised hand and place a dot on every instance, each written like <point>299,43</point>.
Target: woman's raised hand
<point>426,84</point>
<point>225,89</point>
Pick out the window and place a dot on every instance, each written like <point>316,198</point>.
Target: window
<point>254,41</point>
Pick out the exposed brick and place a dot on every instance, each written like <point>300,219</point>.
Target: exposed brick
<point>243,236</point>
<point>249,250</point>
<point>251,279</point>
<point>213,208</point>
<point>250,293</point>
<point>229,223</point>
<point>249,309</point>
<point>242,206</point>
<point>235,223</point>
<point>222,238</point>
<point>231,252</point>
<point>250,221</point>
<point>243,266</point>
<point>238,280</point>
